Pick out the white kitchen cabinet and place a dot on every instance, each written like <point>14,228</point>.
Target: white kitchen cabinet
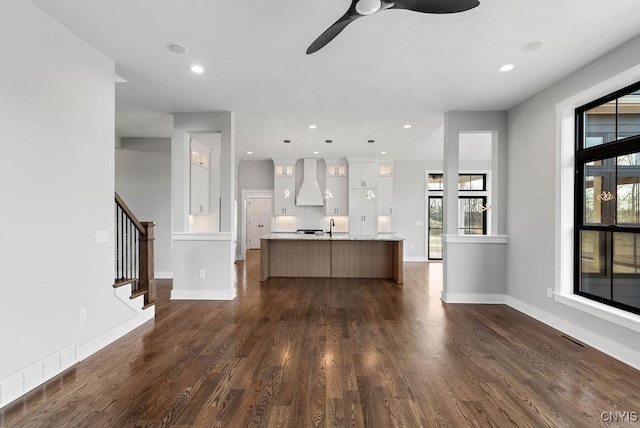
<point>199,184</point>
<point>284,168</point>
<point>385,195</point>
<point>385,169</point>
<point>338,169</point>
<point>363,213</point>
<point>338,186</point>
<point>363,175</point>
<point>284,195</point>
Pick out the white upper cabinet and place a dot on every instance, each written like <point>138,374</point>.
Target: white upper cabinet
<point>284,183</point>
<point>385,169</point>
<point>336,169</point>
<point>363,175</point>
<point>338,190</point>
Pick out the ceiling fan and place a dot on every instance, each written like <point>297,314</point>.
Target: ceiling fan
<point>360,8</point>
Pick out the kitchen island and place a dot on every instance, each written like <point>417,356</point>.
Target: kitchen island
<point>337,256</point>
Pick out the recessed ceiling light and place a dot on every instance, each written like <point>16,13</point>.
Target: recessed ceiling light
<point>383,153</point>
<point>532,46</point>
<point>371,141</point>
<point>507,67</point>
<point>315,153</point>
<point>312,126</point>
<point>287,141</point>
<point>177,48</point>
<point>249,153</point>
<point>328,141</point>
<point>197,69</point>
<point>407,126</point>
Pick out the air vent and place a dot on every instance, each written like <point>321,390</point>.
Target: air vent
<point>574,341</point>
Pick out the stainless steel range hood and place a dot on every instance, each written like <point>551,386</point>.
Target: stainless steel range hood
<point>310,194</point>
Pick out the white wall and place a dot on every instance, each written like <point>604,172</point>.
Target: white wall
<point>534,205</point>
<point>57,188</point>
<point>143,181</point>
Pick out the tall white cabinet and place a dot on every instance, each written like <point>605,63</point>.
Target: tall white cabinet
<point>363,204</point>
<point>284,184</point>
<point>337,189</point>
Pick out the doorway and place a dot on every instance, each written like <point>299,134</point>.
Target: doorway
<point>258,220</point>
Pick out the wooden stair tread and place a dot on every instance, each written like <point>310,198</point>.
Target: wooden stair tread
<point>123,282</point>
<point>149,305</point>
<point>138,293</point>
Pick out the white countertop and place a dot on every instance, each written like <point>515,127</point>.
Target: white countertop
<point>335,237</point>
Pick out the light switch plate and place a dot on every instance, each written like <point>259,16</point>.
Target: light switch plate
<point>102,236</point>
<point>419,223</point>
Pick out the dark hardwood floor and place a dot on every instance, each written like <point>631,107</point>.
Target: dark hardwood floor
<point>321,352</point>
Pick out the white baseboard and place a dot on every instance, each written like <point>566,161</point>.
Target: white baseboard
<point>163,274</point>
<point>415,259</point>
<point>589,337</point>
<point>94,345</point>
<point>20,383</point>
<point>494,299</point>
<point>202,295</point>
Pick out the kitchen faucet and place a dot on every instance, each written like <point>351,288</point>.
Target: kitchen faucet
<point>331,224</point>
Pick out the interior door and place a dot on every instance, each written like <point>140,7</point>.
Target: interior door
<point>258,221</point>
<point>435,228</point>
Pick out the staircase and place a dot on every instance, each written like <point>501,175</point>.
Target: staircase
<point>134,265</point>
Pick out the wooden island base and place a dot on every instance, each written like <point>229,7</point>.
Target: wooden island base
<point>331,259</point>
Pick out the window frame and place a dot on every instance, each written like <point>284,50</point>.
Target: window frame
<point>583,155</point>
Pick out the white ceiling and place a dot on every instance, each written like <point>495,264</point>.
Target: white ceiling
<point>382,71</point>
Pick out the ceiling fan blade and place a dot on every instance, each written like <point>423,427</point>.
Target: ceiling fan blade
<point>331,32</point>
<point>436,6</point>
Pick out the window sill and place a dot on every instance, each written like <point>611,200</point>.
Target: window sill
<point>475,239</point>
<point>600,310</point>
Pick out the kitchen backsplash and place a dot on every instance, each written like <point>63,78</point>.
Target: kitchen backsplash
<point>310,218</point>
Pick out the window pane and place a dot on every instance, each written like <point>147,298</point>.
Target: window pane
<point>626,269</point>
<point>435,228</point>
<point>594,278</point>
<point>434,182</point>
<point>477,182</point>
<point>600,124</point>
<point>464,182</point>
<point>599,198</point>
<point>471,216</point>
<point>628,189</point>
<point>629,115</point>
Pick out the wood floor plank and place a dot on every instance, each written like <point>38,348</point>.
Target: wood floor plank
<point>307,352</point>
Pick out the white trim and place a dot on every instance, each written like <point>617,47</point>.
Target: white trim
<point>603,344</point>
<point>203,295</point>
<point>15,386</point>
<point>94,345</point>
<point>415,259</point>
<point>475,239</point>
<point>493,299</point>
<point>565,165</point>
<point>600,310</point>
<point>163,274</point>
<point>185,236</point>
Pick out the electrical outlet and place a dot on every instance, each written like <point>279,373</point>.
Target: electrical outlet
<point>549,292</point>
<point>82,315</point>
<point>201,273</point>
<point>411,247</point>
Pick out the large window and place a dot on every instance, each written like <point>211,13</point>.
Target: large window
<point>607,212</point>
